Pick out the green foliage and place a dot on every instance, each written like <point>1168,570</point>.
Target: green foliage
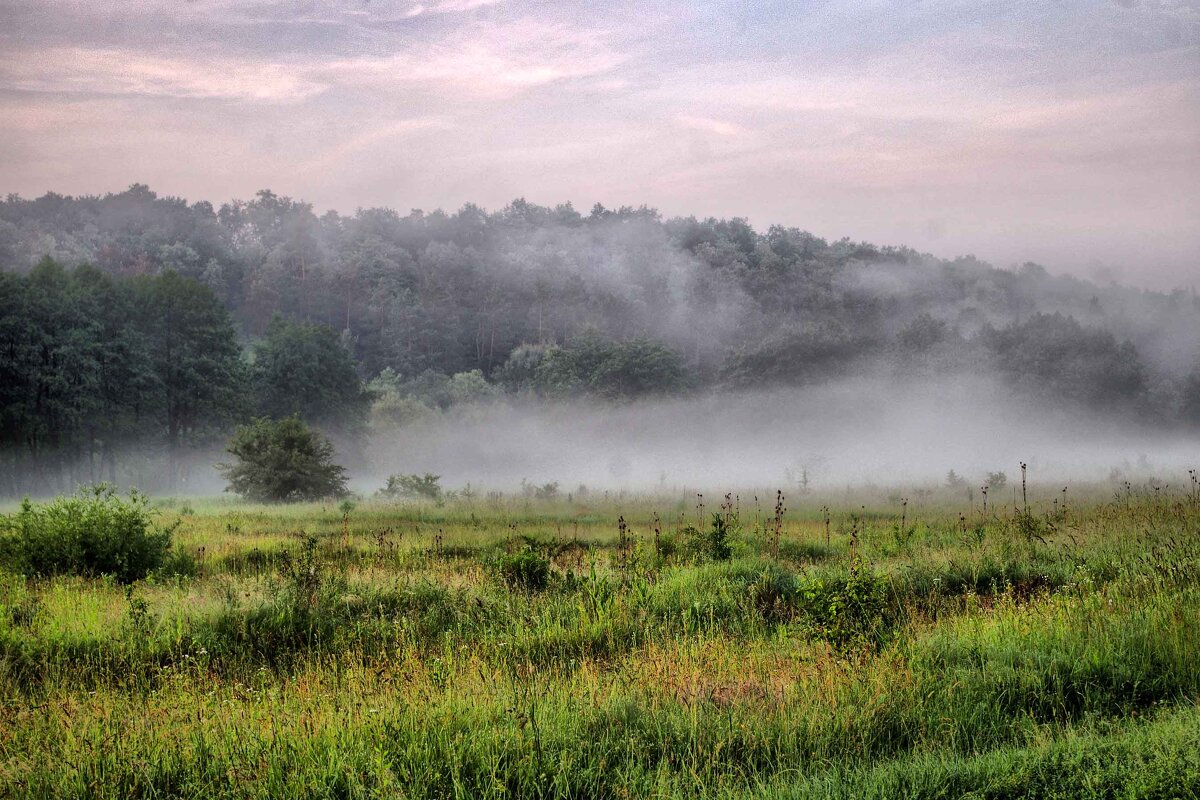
<point>427,486</point>
<point>283,461</point>
<point>773,595</point>
<point>470,387</point>
<point>392,412</point>
<point>304,369</point>
<point>1053,355</point>
<point>519,373</point>
<point>527,570</point>
<point>304,574</point>
<point>798,354</point>
<point>849,611</point>
<point>714,544</point>
<point>195,358</point>
<point>922,334</point>
<point>1030,526</point>
<point>91,362</point>
<point>590,363</point>
<point>94,532</point>
<point>398,403</point>
<point>465,291</point>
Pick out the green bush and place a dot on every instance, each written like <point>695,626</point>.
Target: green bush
<point>427,486</point>
<point>714,544</point>
<point>527,570</point>
<point>94,532</point>
<point>849,611</point>
<point>773,594</point>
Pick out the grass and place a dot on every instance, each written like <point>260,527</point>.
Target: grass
<point>511,648</point>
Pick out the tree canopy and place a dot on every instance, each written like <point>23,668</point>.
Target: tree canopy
<point>304,368</point>
<point>135,329</point>
<point>283,460</point>
<point>90,362</point>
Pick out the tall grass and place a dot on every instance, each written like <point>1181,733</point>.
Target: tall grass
<point>470,652</point>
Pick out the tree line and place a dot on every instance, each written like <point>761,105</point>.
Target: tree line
<point>131,320</point>
<point>104,378</point>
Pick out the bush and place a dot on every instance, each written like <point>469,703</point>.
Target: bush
<point>713,544</point>
<point>427,486</point>
<point>773,594</point>
<point>848,611</point>
<point>94,532</point>
<point>281,461</point>
<point>527,570</point>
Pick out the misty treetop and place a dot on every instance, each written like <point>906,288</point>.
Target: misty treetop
<point>184,319</point>
<point>460,291</point>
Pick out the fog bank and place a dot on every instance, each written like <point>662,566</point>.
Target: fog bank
<point>855,432</point>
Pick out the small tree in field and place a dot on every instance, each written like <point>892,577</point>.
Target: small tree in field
<point>281,461</point>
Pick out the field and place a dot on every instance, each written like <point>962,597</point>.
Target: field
<point>624,646</point>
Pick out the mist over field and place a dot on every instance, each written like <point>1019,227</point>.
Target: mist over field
<point>614,349</point>
<point>493,240</point>
<point>525,400</point>
<point>851,432</point>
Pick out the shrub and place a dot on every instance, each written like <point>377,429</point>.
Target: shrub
<point>848,611</point>
<point>1031,527</point>
<point>527,570</point>
<point>715,543</point>
<point>94,532</point>
<point>283,460</point>
<point>427,486</point>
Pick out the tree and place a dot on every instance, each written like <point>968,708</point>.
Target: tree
<point>1055,356</point>
<point>617,370</point>
<point>798,354</point>
<point>196,358</point>
<point>89,362</point>
<point>51,344</point>
<point>301,368</point>
<point>519,372</point>
<point>282,461</point>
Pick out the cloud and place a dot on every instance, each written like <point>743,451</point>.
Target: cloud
<point>364,141</point>
<point>473,61</point>
<point>494,60</point>
<point>707,125</point>
<point>77,70</point>
<point>449,7</point>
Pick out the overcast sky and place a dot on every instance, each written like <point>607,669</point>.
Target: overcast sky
<point>1065,132</point>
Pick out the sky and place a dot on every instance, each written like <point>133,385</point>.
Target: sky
<point>1066,133</point>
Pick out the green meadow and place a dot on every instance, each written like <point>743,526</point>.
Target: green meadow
<point>621,646</point>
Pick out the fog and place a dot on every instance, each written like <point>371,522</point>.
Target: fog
<point>850,432</point>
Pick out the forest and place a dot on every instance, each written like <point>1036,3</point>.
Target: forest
<point>137,329</point>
